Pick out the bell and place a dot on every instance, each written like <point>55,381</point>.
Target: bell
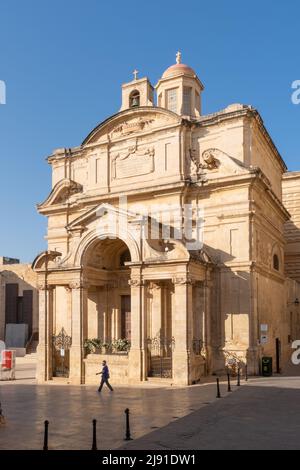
<point>135,101</point>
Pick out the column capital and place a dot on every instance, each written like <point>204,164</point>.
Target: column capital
<point>42,286</point>
<point>136,282</point>
<point>75,285</point>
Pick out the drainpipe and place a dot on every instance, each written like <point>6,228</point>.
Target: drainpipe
<point>46,320</point>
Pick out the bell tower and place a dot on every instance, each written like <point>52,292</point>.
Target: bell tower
<point>138,92</point>
<point>179,90</point>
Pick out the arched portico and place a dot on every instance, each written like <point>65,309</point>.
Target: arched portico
<point>151,299</point>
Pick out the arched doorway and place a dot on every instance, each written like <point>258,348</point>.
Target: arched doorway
<point>107,274</point>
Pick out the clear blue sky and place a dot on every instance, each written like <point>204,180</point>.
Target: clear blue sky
<point>63,62</point>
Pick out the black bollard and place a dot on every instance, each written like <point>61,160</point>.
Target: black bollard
<point>128,435</point>
<point>94,445</point>
<point>218,389</point>
<point>246,373</point>
<point>239,378</point>
<point>228,380</point>
<point>46,435</point>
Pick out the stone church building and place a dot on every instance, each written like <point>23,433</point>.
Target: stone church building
<point>182,292</point>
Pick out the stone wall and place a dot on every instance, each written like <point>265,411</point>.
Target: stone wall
<point>118,368</point>
<point>291,200</point>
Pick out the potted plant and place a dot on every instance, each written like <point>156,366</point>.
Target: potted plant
<point>93,346</point>
<point>121,346</point>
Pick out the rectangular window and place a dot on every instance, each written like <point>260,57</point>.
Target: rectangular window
<point>172,100</point>
<point>187,95</point>
<point>11,303</point>
<point>197,101</point>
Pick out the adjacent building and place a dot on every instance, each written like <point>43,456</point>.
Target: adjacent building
<point>18,304</point>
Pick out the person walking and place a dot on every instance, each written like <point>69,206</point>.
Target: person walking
<point>105,377</point>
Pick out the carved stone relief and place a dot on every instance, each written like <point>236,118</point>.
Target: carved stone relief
<point>134,161</point>
<point>130,127</point>
<point>212,159</point>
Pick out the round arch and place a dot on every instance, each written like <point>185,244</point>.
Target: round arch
<point>94,236</point>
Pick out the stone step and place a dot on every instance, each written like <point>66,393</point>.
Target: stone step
<point>158,382</point>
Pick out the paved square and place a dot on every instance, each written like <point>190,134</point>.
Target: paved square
<point>261,414</point>
<point>71,409</point>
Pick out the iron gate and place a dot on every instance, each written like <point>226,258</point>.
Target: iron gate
<point>160,357</point>
<point>61,354</point>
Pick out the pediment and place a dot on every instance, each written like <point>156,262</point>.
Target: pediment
<point>132,122</point>
<point>61,193</point>
<point>99,212</point>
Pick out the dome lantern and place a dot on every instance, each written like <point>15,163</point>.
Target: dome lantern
<point>179,89</point>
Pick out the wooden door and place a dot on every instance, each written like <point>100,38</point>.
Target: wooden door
<point>126,317</point>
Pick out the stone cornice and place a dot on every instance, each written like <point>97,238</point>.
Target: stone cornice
<point>228,182</point>
<point>290,175</point>
<point>264,271</point>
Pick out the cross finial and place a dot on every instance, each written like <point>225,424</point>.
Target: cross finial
<point>135,74</point>
<point>178,57</point>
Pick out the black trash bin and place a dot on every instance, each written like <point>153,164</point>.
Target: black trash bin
<point>267,366</point>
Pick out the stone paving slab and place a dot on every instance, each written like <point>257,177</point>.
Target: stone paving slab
<point>264,414</point>
<point>71,409</point>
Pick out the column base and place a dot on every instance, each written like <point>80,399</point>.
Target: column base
<point>135,372</point>
<point>253,359</point>
<point>181,368</point>
<point>76,373</point>
<point>42,374</point>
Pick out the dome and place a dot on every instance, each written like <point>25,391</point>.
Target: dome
<point>179,69</point>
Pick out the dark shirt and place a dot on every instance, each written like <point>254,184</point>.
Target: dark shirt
<point>105,373</point>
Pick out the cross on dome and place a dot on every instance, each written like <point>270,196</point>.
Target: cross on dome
<point>178,57</point>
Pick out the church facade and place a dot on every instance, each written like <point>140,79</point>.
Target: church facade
<point>167,236</point>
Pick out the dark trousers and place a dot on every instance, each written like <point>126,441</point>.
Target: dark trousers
<point>106,382</point>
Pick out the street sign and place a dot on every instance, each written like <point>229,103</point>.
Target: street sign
<point>263,327</point>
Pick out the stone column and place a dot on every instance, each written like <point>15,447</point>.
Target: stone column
<point>254,350</point>
<point>156,310</point>
<point>214,355</point>
<point>182,319</point>
<point>167,311</point>
<point>137,354</point>
<point>79,314</point>
<point>207,336</point>
<point>107,330</point>
<point>44,349</point>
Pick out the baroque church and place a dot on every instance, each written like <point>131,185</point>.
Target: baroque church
<point>186,299</point>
